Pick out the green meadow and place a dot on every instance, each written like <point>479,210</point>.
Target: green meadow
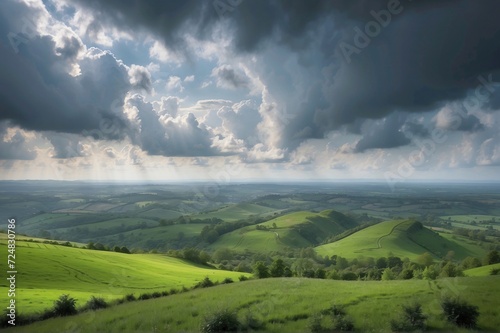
<point>399,238</point>
<point>482,271</point>
<point>287,304</point>
<point>46,271</point>
<point>294,230</point>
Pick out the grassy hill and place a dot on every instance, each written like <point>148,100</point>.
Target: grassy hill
<point>236,212</point>
<point>286,304</point>
<point>401,238</point>
<point>46,271</point>
<point>299,229</point>
<point>481,271</point>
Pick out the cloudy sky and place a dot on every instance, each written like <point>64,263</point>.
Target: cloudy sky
<point>249,89</point>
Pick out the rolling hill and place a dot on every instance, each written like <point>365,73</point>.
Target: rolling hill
<point>481,271</point>
<point>401,238</point>
<point>286,305</point>
<point>46,271</point>
<point>296,230</point>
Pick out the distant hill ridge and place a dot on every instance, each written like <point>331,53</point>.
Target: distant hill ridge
<point>404,238</point>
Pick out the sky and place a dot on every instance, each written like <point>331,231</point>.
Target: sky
<point>232,90</point>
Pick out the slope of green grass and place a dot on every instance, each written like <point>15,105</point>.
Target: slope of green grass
<point>401,238</point>
<point>46,271</point>
<point>481,271</point>
<point>299,229</point>
<point>285,305</point>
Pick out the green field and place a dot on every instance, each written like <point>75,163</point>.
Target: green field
<point>481,271</point>
<point>400,238</point>
<point>285,305</point>
<point>294,230</point>
<point>236,212</point>
<point>46,271</point>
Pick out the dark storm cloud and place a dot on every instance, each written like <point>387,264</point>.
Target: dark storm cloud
<point>425,54</point>
<point>385,133</point>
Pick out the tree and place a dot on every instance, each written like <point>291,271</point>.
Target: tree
<point>124,249</point>
<point>430,273</point>
<point>425,259</point>
<point>222,254</point>
<point>387,275</point>
<point>381,263</point>
<point>277,268</point>
<point>116,248</point>
<point>450,270</point>
<point>470,262</point>
<point>260,270</point>
<point>493,257</point>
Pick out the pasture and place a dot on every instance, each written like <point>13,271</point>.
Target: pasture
<point>286,304</point>
<point>46,271</point>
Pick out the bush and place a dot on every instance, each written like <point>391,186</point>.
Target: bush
<point>144,296</point>
<point>130,297</point>
<point>205,283</point>
<point>314,324</point>
<point>460,312</point>
<point>343,324</point>
<point>495,271</point>
<point>65,306</point>
<point>410,319</point>
<point>221,321</point>
<point>156,294</point>
<point>227,280</point>
<point>95,303</point>
<point>340,320</point>
<point>242,278</point>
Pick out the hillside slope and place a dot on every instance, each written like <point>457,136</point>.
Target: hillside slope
<point>46,271</point>
<point>286,305</point>
<point>401,238</point>
<point>295,230</point>
<point>482,271</point>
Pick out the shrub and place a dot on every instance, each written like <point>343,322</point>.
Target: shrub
<point>410,319</point>
<point>314,324</point>
<point>144,296</point>
<point>220,321</point>
<point>227,280</point>
<point>130,297</point>
<point>164,293</point>
<point>242,278</point>
<point>340,320</point>
<point>65,306</point>
<point>343,324</point>
<point>495,271</point>
<point>460,312</point>
<point>156,294</point>
<point>95,303</point>
<point>205,283</point>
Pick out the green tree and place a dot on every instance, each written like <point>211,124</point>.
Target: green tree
<point>260,270</point>
<point>381,263</point>
<point>425,259</point>
<point>450,270</point>
<point>493,257</point>
<point>387,275</point>
<point>277,268</point>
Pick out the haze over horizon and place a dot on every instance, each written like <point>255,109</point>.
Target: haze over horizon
<point>250,90</point>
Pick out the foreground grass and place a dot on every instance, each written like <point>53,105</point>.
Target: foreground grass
<point>285,305</point>
<point>46,271</point>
